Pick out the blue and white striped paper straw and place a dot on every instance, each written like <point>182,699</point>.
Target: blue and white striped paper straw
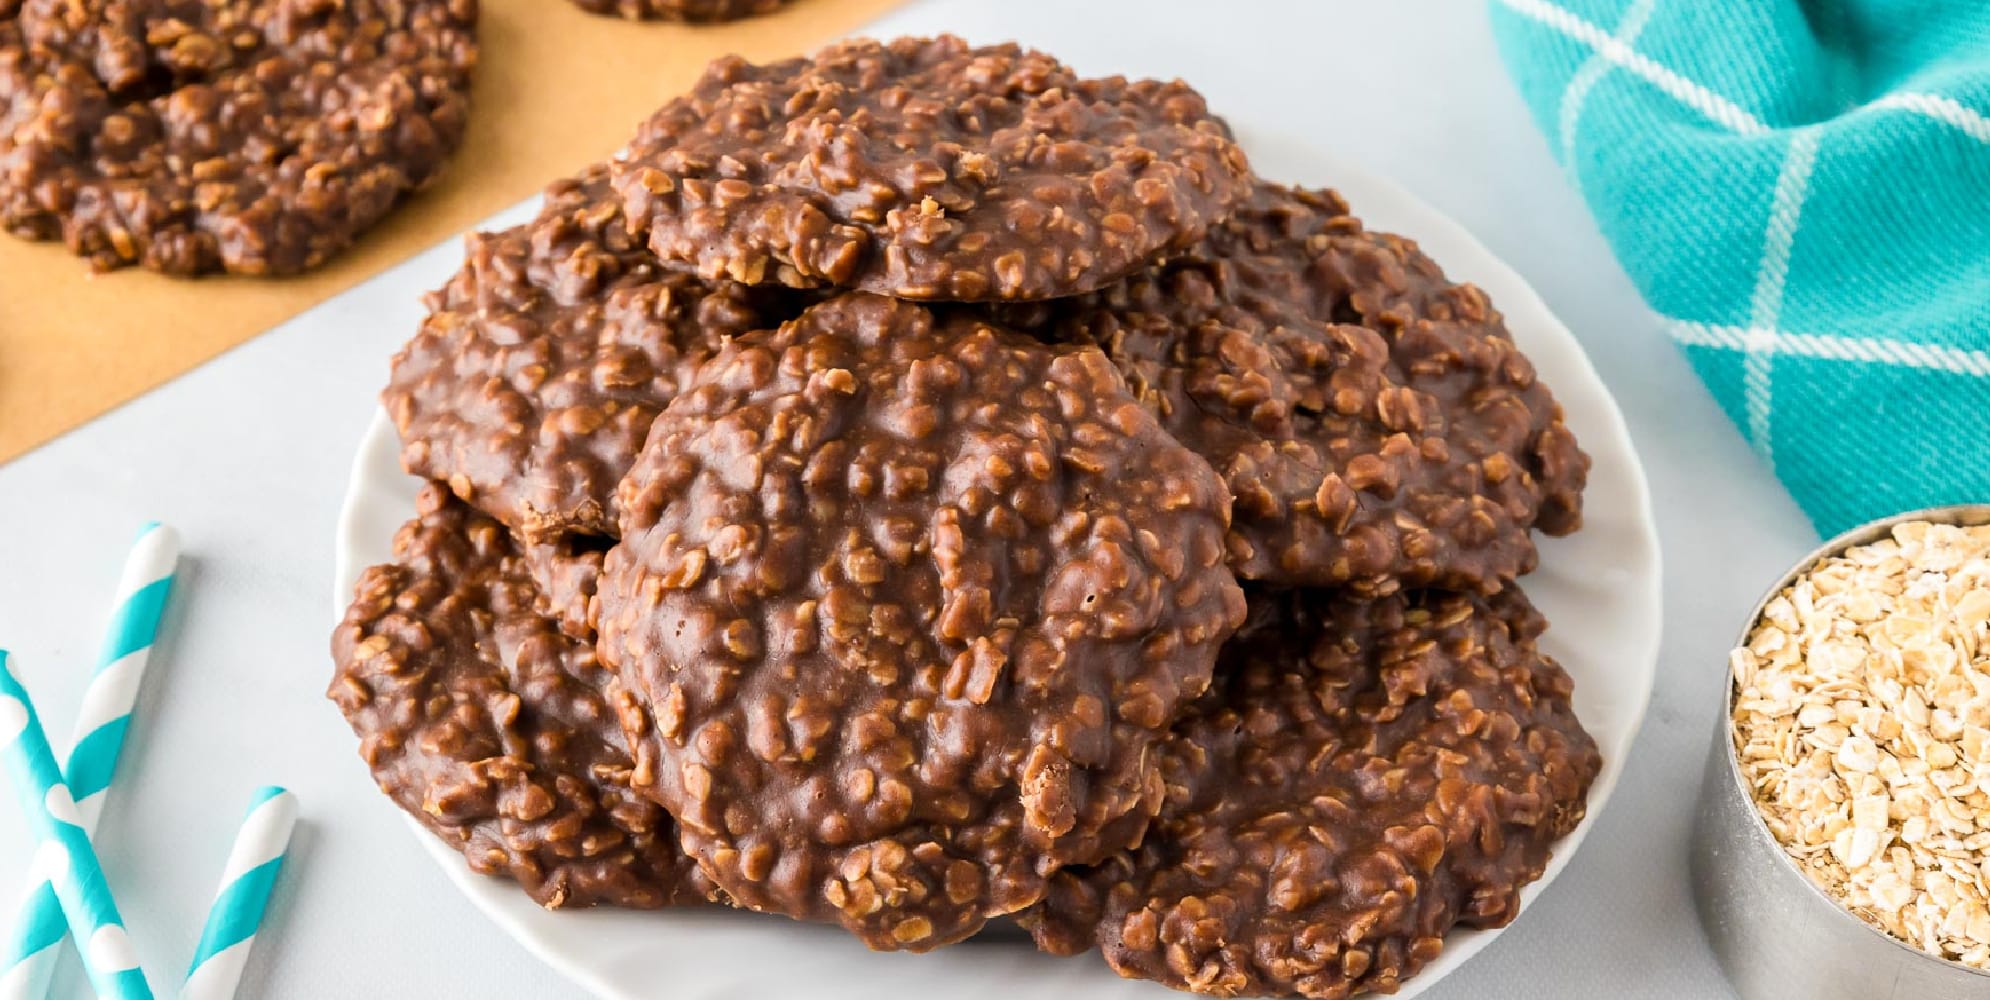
<point>107,702</point>
<point>30,958</point>
<point>238,907</point>
<point>64,855</point>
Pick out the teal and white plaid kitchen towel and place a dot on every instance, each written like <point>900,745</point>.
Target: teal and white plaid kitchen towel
<point>1802,189</point>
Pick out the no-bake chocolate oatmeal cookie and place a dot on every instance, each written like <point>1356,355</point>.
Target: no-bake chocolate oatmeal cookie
<point>490,726</point>
<point>532,383</point>
<point>926,169</point>
<point>695,11</point>
<point>1374,420</point>
<point>901,605</point>
<point>249,136</point>
<point>1361,777</point>
<point>837,508</point>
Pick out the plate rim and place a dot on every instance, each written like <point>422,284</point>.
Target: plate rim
<point>1514,296</point>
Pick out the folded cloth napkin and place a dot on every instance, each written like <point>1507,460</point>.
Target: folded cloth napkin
<point>1801,188</point>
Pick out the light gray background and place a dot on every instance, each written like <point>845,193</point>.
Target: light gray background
<point>247,456</point>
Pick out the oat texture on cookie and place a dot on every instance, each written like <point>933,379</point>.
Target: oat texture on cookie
<point>247,136</point>
<point>1362,777</point>
<point>492,727</point>
<point>927,169</point>
<point>902,603</point>
<point>1374,419</point>
<point>532,383</point>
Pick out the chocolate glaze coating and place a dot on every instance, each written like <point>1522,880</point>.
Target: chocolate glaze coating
<point>1374,420</point>
<point>694,11</point>
<point>567,571</point>
<point>249,136</point>
<point>532,383</point>
<point>1360,778</point>
<point>1449,341</point>
<point>926,169</point>
<point>901,605</point>
<point>490,726</point>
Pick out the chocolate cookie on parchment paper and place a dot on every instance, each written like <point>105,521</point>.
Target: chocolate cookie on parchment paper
<point>902,604</point>
<point>490,726</point>
<point>691,11</point>
<point>1361,777</point>
<point>532,383</point>
<point>1374,420</point>
<point>927,169</point>
<point>248,136</point>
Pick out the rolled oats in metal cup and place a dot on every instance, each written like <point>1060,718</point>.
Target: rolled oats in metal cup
<point>1861,726</point>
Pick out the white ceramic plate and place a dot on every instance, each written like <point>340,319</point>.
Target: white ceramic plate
<point>1600,589</point>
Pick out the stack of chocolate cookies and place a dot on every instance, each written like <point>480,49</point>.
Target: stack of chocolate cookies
<point>916,485</point>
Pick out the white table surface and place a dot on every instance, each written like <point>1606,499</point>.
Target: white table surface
<point>247,456</point>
